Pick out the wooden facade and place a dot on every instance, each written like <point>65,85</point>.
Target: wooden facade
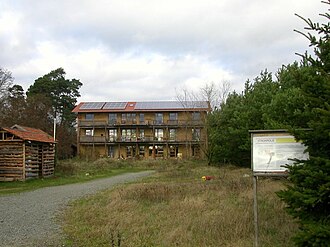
<point>25,153</point>
<point>163,129</point>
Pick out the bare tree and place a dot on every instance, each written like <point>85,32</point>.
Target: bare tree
<point>6,80</point>
<point>224,90</point>
<point>214,93</point>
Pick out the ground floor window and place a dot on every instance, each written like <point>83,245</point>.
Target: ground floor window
<point>111,151</point>
<point>196,151</point>
<point>156,151</point>
<point>174,151</point>
<point>130,151</point>
<point>141,151</point>
<point>159,151</point>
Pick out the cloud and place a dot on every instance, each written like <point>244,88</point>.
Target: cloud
<point>145,49</point>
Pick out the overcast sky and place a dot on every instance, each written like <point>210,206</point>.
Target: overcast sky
<point>124,50</point>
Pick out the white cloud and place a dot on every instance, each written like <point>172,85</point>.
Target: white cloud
<point>145,49</point>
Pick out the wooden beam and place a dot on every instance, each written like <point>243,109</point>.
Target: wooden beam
<point>23,161</point>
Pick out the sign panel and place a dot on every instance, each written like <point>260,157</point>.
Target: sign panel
<point>274,150</point>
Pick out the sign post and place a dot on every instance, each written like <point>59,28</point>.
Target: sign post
<point>271,150</point>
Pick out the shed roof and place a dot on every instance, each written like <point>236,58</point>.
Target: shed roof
<point>142,106</point>
<point>29,134</point>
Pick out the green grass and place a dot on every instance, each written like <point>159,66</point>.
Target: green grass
<point>73,171</point>
<point>175,207</point>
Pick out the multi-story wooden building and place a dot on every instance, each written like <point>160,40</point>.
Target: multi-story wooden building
<point>162,129</point>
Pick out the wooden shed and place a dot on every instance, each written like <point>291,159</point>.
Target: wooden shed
<point>25,153</point>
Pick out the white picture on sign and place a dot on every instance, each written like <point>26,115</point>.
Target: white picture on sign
<point>272,153</point>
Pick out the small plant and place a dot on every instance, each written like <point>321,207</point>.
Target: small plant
<point>115,238</point>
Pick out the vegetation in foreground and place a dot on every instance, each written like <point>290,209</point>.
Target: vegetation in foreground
<point>74,171</point>
<point>175,207</point>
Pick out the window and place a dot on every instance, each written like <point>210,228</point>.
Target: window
<point>89,116</point>
<point>172,134</point>
<point>112,118</point>
<point>123,118</point>
<point>159,118</point>
<point>128,118</point>
<point>141,118</point>
<point>151,149</point>
<point>173,116</point>
<point>130,151</point>
<point>89,132</point>
<point>196,116</point>
<point>196,151</point>
<point>141,136</point>
<point>111,151</point>
<point>173,151</point>
<point>133,118</point>
<point>159,134</point>
<point>141,151</point>
<point>128,135</point>
<point>112,135</point>
<point>159,151</point>
<point>196,134</point>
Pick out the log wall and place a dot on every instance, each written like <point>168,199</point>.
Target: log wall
<point>11,161</point>
<point>20,161</point>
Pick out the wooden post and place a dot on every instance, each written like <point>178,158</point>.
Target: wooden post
<point>255,210</point>
<point>23,160</point>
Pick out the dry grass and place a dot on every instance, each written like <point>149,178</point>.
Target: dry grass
<point>176,208</point>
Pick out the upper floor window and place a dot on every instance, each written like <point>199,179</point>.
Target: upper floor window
<point>123,118</point>
<point>112,118</point>
<point>159,134</point>
<point>141,115</point>
<point>89,132</point>
<point>159,118</point>
<point>196,134</point>
<point>173,116</point>
<point>112,135</point>
<point>128,118</point>
<point>89,116</point>
<point>141,133</point>
<point>172,134</point>
<point>128,134</point>
<point>133,118</point>
<point>196,116</point>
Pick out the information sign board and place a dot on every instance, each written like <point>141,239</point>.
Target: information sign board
<point>272,151</point>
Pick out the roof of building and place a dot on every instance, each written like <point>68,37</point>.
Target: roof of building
<point>29,134</point>
<point>142,106</point>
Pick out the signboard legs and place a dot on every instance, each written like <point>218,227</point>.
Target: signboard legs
<point>255,210</point>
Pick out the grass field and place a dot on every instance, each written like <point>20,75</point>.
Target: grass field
<point>176,208</point>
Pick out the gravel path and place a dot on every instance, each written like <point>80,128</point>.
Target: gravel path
<point>28,219</point>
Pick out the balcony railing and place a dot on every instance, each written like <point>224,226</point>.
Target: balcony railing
<point>92,139</point>
<point>103,139</point>
<point>94,123</point>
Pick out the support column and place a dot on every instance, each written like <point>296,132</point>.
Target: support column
<point>255,210</point>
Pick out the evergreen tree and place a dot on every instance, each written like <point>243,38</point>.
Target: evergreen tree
<point>308,197</point>
<point>62,92</point>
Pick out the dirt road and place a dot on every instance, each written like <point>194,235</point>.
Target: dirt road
<point>28,219</point>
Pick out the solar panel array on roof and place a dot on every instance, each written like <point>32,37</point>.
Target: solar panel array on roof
<point>159,105</point>
<point>92,106</point>
<point>115,105</point>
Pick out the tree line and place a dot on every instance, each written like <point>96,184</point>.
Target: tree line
<point>50,99</point>
<point>297,97</point>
